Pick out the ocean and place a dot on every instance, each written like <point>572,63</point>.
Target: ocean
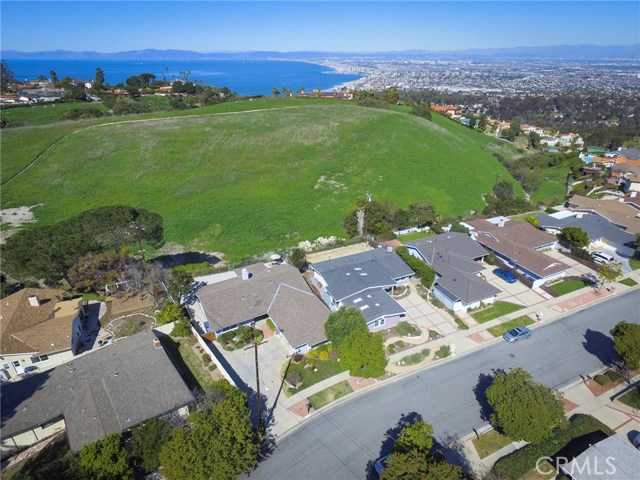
<point>244,77</point>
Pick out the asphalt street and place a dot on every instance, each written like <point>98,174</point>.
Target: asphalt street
<point>343,441</point>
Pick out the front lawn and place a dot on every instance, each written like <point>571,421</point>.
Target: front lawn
<point>503,328</point>
<point>629,282</point>
<point>634,263</point>
<point>312,371</point>
<point>498,309</point>
<point>568,286</point>
<point>413,236</point>
<point>490,442</point>
<point>631,398</point>
<point>415,358</point>
<point>187,362</point>
<point>328,395</point>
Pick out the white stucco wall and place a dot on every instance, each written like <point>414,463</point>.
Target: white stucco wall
<point>28,438</point>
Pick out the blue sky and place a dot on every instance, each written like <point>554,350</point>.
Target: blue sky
<point>207,26</point>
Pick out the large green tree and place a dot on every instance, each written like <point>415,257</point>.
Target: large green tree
<point>415,436</point>
<point>106,459</point>
<point>170,312</point>
<point>422,213</point>
<point>298,258</point>
<point>99,82</point>
<point>6,76</point>
<point>181,281</point>
<point>219,441</point>
<point>95,270</point>
<point>573,237</point>
<point>342,323</point>
<point>523,408</point>
<point>362,353</point>
<point>626,341</point>
<point>610,272</point>
<point>416,466</point>
<point>146,442</point>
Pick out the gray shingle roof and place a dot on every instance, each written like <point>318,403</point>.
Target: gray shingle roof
<point>297,312</point>
<point>299,315</point>
<point>452,256</point>
<point>595,226</point>
<point>613,454</point>
<point>93,400</point>
<point>355,273</point>
<point>374,304</point>
<point>630,153</point>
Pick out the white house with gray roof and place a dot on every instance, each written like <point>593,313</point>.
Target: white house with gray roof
<point>599,229</point>
<point>455,257</point>
<point>363,280</point>
<point>107,391</point>
<point>260,291</point>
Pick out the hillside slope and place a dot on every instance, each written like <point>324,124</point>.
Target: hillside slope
<point>246,182</point>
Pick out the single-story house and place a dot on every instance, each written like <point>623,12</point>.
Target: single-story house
<point>107,391</point>
<point>455,257</point>
<point>618,211</point>
<point>600,230</point>
<point>519,245</point>
<point>613,457</point>
<point>363,280</point>
<point>259,291</point>
<point>39,328</point>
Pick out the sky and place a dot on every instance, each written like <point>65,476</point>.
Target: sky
<point>356,26</point>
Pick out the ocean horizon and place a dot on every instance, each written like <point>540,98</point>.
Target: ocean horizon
<point>244,77</point>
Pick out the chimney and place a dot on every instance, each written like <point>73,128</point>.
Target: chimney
<point>33,301</point>
<point>501,222</point>
<point>156,343</point>
<point>579,214</point>
<point>389,248</point>
<point>245,274</point>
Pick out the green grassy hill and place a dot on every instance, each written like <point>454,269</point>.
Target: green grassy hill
<point>247,177</point>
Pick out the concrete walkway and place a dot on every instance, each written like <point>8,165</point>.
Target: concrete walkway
<point>288,412</point>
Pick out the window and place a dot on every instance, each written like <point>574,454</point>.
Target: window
<point>41,358</point>
<point>379,323</point>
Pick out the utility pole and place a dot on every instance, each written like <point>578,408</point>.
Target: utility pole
<point>258,397</point>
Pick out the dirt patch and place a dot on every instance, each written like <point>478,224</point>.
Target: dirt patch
<point>15,218</point>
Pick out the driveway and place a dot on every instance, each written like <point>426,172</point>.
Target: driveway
<point>624,261</point>
<point>517,292</point>
<point>422,313</point>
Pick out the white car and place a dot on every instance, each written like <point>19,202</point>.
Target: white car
<point>602,258</point>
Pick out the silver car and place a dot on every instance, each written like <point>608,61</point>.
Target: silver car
<point>517,334</point>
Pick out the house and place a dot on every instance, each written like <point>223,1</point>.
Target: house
<point>455,257</point>
<point>107,391</point>
<point>38,328</point>
<point>600,230</point>
<point>618,211</point>
<point>260,291</point>
<point>519,245</point>
<point>363,280</point>
<point>612,457</point>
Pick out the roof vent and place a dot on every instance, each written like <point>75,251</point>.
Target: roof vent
<point>33,301</point>
<point>389,249</point>
<point>245,274</point>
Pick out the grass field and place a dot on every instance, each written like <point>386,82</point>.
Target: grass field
<point>629,282</point>
<point>554,182</point>
<point>496,310</point>
<point>567,286</point>
<point>503,328</point>
<point>249,177</point>
<point>43,114</point>
<point>490,442</point>
<point>328,395</point>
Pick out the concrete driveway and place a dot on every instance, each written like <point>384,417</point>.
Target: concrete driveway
<point>517,292</point>
<point>426,315</point>
<point>624,261</point>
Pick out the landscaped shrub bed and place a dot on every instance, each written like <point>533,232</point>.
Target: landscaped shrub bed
<point>240,338</point>
<point>520,462</point>
<point>395,347</point>
<point>425,273</point>
<point>311,371</point>
<point>415,357</point>
<point>607,377</point>
<point>405,329</point>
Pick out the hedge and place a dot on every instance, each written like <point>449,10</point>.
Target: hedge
<point>425,273</point>
<point>521,461</point>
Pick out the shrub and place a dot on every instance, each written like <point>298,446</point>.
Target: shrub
<point>181,328</point>
<point>206,359</point>
<point>271,325</point>
<point>294,379</point>
<point>444,351</point>
<point>490,258</point>
<point>425,273</point>
<point>297,357</point>
<point>212,367</point>
<point>461,324</point>
<point>322,352</point>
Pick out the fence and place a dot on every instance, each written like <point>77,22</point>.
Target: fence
<point>213,353</point>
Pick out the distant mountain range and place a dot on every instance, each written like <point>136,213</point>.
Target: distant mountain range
<point>551,52</point>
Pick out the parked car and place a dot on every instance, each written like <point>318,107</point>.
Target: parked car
<point>636,441</point>
<point>602,258</point>
<point>506,275</point>
<point>590,278</point>
<point>380,464</point>
<point>517,334</point>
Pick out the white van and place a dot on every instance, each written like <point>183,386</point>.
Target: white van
<point>602,258</point>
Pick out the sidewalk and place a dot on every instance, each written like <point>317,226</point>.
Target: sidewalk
<point>292,411</point>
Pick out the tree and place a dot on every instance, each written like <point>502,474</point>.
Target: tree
<point>180,285</point>
<point>422,110</point>
<point>94,271</point>
<point>275,92</point>
<point>363,354</point>
<point>219,442</point>
<point>415,436</point>
<point>298,258</point>
<point>6,76</point>
<point>524,409</point>
<point>422,213</point>
<point>342,323</point>
<point>532,220</point>
<point>146,442</point>
<point>106,459</point>
<point>182,328</point>
<point>534,140</point>
<point>573,238</point>
<point>53,76</point>
<point>626,341</point>
<point>99,84</point>
<point>610,272</point>
<point>425,273</point>
<point>170,312</point>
